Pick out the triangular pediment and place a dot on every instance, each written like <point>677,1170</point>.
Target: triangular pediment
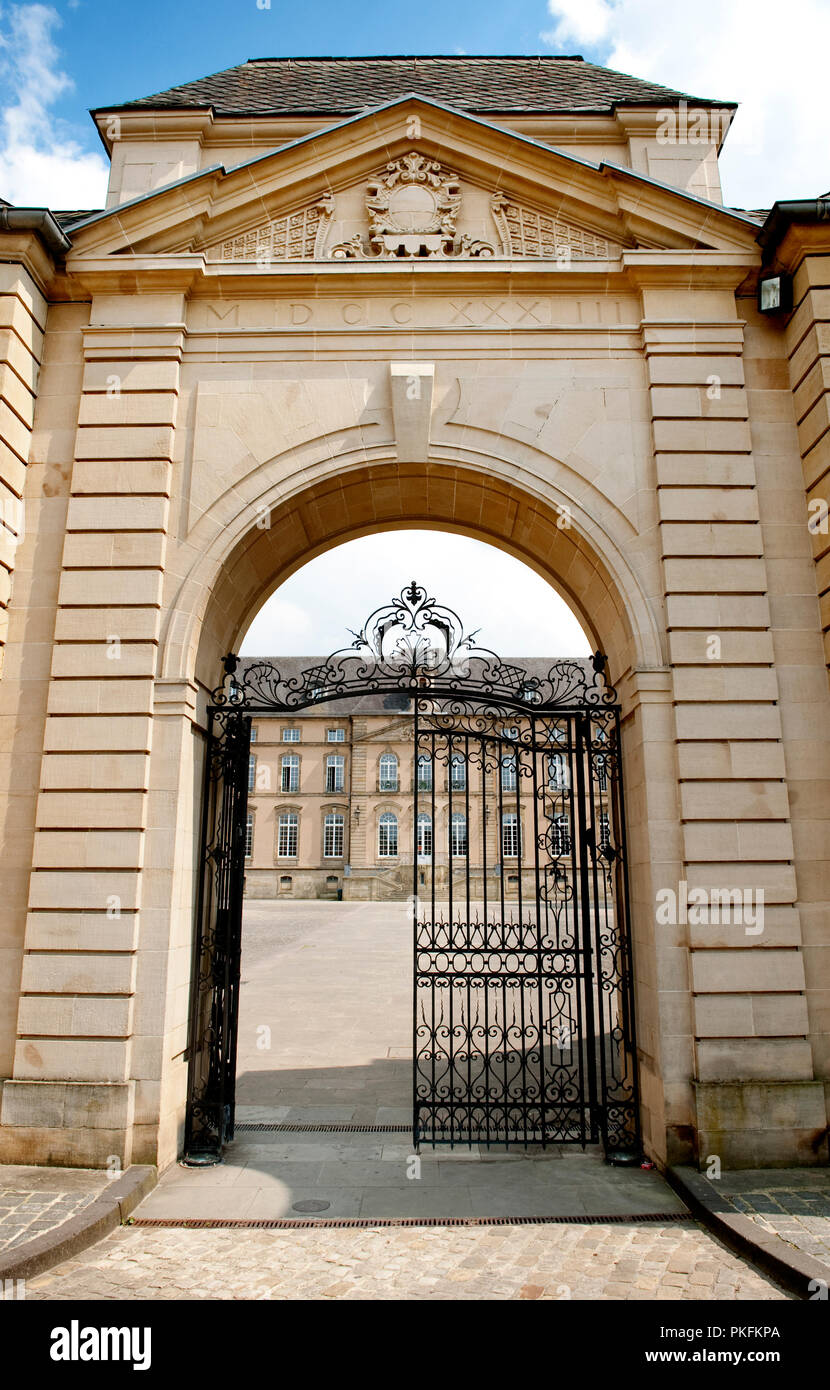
<point>410,180</point>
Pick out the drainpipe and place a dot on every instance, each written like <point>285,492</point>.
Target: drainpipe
<point>39,220</point>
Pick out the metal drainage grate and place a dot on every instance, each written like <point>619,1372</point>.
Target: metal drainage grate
<point>367,1222</point>
<point>288,1128</point>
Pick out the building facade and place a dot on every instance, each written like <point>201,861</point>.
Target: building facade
<point>333,813</point>
<point>498,296</point>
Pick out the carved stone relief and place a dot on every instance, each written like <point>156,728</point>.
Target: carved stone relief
<point>527,232</point>
<point>412,209</point>
<point>301,236</point>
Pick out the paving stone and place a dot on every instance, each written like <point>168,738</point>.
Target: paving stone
<point>393,1263</point>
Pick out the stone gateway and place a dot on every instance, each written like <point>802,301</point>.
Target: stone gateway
<point>497,296</point>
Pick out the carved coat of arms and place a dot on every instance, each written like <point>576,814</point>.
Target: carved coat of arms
<point>412,208</point>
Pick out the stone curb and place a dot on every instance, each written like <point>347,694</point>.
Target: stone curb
<point>96,1220</point>
<point>789,1267</point>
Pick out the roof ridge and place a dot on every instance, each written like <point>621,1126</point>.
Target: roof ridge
<point>417,57</point>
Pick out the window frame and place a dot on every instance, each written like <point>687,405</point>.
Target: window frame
<point>388,821</point>
<point>290,762</point>
<point>510,820</point>
<point>393,758</point>
<point>292,821</point>
<point>458,816</point>
<point>335,763</point>
<point>334,820</point>
<point>423,853</point>
<point>457,760</point>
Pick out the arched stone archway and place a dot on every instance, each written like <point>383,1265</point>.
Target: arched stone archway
<point>252,551</point>
<point>271,536</point>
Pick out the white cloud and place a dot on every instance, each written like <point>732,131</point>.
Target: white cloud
<point>587,21</point>
<point>41,163</point>
<point>518,612</point>
<point>771,60</point>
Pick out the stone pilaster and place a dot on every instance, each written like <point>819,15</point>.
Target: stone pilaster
<point>77,1019</point>
<point>747,985</point>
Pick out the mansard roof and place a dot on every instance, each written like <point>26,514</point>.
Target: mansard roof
<point>548,84</point>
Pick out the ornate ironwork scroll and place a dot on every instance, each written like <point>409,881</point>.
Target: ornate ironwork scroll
<point>523,994</point>
<point>414,644</point>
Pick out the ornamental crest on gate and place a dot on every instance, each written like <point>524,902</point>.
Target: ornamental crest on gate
<point>412,209</point>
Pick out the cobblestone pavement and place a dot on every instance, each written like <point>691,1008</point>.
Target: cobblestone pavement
<point>792,1202</point>
<point>649,1262</point>
<point>34,1200</point>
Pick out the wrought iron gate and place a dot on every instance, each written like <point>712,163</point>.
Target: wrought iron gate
<point>523,1001</point>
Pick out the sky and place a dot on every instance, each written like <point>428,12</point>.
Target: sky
<point>516,611</point>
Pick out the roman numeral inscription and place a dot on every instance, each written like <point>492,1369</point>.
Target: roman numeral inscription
<point>426,311</point>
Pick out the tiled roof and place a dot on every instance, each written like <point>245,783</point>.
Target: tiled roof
<point>343,86</point>
<point>68,219</point>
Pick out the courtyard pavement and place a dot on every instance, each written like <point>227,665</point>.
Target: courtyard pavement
<point>625,1262</point>
<point>325,1039</point>
<point>325,1024</point>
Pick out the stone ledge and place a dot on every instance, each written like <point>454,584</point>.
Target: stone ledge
<point>95,1221</point>
<point>768,1252</point>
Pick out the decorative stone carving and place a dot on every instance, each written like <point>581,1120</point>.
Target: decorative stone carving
<point>301,236</point>
<point>526,232</point>
<point>412,208</point>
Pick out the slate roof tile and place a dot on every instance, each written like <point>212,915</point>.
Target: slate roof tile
<point>343,86</point>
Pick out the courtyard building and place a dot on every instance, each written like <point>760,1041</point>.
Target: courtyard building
<point>501,297</point>
<point>331,807</point>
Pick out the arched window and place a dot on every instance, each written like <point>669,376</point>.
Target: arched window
<point>290,781</point>
<point>557,772</point>
<point>510,835</point>
<point>458,836</point>
<point>508,772</point>
<point>288,827</point>
<point>388,773</point>
<point>333,835</point>
<point>424,836</point>
<point>458,772</point>
<point>387,836</point>
<point>335,764</point>
<point>425,773</point>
